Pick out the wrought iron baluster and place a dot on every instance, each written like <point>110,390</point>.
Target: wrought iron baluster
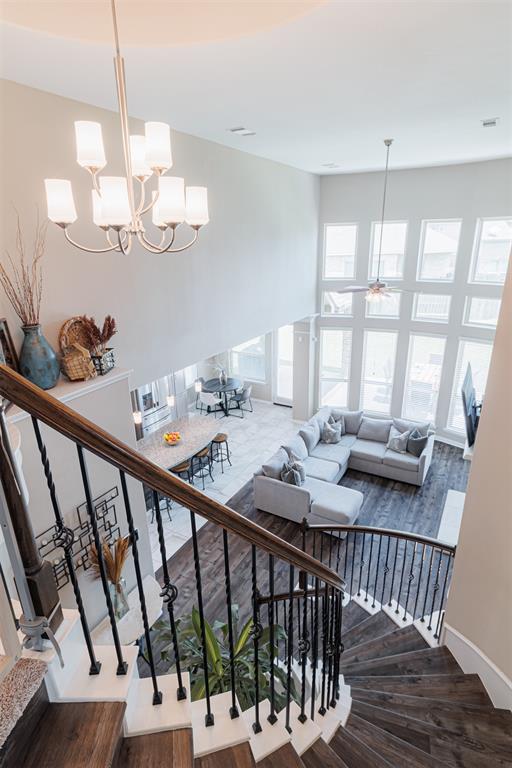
<point>325,627</point>
<point>410,579</point>
<point>369,569</point>
<point>337,649</point>
<point>345,565</point>
<point>393,575</point>
<point>65,538</point>
<point>435,589</point>
<point>397,609</point>
<point>338,554</point>
<point>361,565</point>
<point>353,564</point>
<point>419,581</point>
<point>122,666</point>
<point>330,548</point>
<point>428,583</point>
<point>169,593</point>
<point>443,593</point>
<point>134,535</point>
<point>377,571</point>
<point>321,546</point>
<point>209,718</point>
<point>331,652</point>
<point>289,650</point>
<point>256,634</point>
<point>304,646</point>
<point>227,580</point>
<point>386,571</point>
<point>272,718</point>
<point>315,650</point>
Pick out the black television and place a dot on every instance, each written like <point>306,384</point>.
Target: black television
<point>470,406</point>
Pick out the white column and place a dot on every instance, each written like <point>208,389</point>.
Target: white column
<point>304,359</point>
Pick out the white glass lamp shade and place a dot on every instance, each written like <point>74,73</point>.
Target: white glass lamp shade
<point>90,152</point>
<point>140,167</point>
<point>97,210</point>
<point>115,203</point>
<point>171,199</point>
<point>171,400</point>
<point>155,212</point>
<point>158,146</point>
<point>137,417</point>
<point>60,202</point>
<point>196,206</point>
<point>198,386</point>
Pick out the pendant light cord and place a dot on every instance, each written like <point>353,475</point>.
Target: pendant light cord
<point>388,143</point>
<point>116,31</point>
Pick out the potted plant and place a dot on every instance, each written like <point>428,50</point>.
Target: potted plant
<point>22,282</point>
<point>114,557</point>
<point>97,339</point>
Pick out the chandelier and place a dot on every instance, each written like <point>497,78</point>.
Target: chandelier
<point>119,203</point>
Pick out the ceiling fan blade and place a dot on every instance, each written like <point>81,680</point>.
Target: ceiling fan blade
<point>353,289</point>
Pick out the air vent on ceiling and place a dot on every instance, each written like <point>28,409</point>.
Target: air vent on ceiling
<point>330,165</point>
<point>490,122</point>
<point>241,131</point>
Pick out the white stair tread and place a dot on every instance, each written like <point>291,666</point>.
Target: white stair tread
<point>142,716</point>
<point>107,686</point>
<point>398,618</point>
<point>333,718</point>
<point>271,737</point>
<point>224,733</point>
<point>303,734</point>
<point>426,633</point>
<point>365,600</point>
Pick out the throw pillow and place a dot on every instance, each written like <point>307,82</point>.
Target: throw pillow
<point>416,443</point>
<point>375,429</point>
<point>404,425</point>
<point>273,467</point>
<point>351,419</point>
<point>331,433</point>
<point>291,473</point>
<point>340,420</point>
<point>310,433</point>
<point>298,447</point>
<point>397,440</point>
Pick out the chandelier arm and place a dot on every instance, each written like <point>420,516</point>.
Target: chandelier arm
<point>184,247</point>
<point>156,248</point>
<point>85,248</point>
<point>142,199</point>
<point>122,243</point>
<point>154,198</point>
<point>95,185</point>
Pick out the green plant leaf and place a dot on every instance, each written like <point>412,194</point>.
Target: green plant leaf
<point>212,646</point>
<point>244,637</point>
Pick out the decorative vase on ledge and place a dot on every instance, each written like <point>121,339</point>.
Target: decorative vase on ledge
<point>38,361</point>
<point>223,377</point>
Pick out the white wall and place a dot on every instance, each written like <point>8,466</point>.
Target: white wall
<point>464,192</point>
<point>253,270</point>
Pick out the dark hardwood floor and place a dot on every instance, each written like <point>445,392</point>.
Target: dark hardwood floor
<point>387,503</point>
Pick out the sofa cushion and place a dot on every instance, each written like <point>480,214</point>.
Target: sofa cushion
<point>401,460</point>
<point>310,433</point>
<point>398,440</point>
<point>273,466</point>
<point>369,450</point>
<point>417,442</point>
<point>334,503</point>
<point>352,419</point>
<point>333,452</point>
<point>331,433</point>
<point>375,429</point>
<point>322,469</point>
<point>347,441</point>
<point>405,425</point>
<point>296,447</point>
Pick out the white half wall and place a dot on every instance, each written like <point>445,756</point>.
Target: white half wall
<point>253,269</point>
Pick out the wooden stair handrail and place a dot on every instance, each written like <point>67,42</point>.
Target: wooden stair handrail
<point>409,535</point>
<point>75,427</point>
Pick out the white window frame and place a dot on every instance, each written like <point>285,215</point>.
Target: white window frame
<point>476,247</point>
<point>407,368</point>
<point>326,378</point>
<point>365,336</point>
<point>424,224</point>
<point>467,306</point>
<point>372,234</point>
<point>415,319</point>
<point>383,317</point>
<point>338,316</point>
<point>252,379</point>
<point>340,224</point>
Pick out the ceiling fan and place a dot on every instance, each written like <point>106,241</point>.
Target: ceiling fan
<point>377,289</point>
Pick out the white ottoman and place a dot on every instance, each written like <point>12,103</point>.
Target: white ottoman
<point>332,503</point>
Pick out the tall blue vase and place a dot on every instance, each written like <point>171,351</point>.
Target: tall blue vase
<point>38,361</point>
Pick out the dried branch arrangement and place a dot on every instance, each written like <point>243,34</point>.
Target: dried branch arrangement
<point>97,339</point>
<point>114,558</point>
<point>23,282</point>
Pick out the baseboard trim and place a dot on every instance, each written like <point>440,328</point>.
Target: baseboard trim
<point>474,661</point>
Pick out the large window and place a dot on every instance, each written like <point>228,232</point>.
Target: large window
<point>340,251</point>
<point>478,355</point>
<point>431,307</point>
<point>438,250</point>
<point>335,353</point>
<point>248,359</point>
<point>493,242</point>
<point>423,377</point>
<point>387,306</point>
<point>482,311</point>
<point>378,370</point>
<point>334,303</point>
<point>394,236</point>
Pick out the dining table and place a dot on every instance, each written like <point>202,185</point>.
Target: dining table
<point>216,386</point>
<point>196,433</point>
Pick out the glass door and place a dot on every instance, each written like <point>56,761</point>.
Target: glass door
<point>283,365</point>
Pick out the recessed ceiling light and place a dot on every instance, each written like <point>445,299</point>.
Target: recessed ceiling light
<point>241,131</point>
<point>490,122</point>
<point>330,165</point>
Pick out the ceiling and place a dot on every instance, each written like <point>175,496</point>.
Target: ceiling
<point>319,82</point>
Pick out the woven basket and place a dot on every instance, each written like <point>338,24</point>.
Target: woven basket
<point>71,333</point>
<point>77,363</point>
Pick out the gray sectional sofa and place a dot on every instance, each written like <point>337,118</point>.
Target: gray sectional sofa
<point>363,446</point>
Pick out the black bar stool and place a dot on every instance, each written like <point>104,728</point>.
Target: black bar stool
<point>202,465</point>
<point>168,507</point>
<point>184,470</point>
<point>219,450</point>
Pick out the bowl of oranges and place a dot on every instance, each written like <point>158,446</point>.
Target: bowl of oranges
<point>172,438</point>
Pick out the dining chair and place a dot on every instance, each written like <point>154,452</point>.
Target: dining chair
<point>242,401</point>
<point>209,402</point>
